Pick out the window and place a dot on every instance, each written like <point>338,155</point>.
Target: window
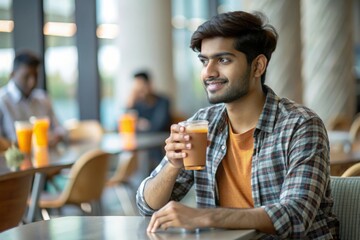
<point>108,59</point>
<point>6,45</point>
<point>61,64</point>
<point>186,16</point>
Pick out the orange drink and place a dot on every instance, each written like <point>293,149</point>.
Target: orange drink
<point>24,132</point>
<point>40,129</point>
<point>196,156</point>
<point>127,123</point>
<point>41,156</point>
<point>128,141</point>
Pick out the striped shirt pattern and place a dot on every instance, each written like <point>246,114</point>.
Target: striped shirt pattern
<point>290,169</point>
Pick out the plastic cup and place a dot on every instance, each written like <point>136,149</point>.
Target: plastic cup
<point>40,130</point>
<point>41,156</point>
<point>196,156</point>
<point>127,122</point>
<point>24,130</point>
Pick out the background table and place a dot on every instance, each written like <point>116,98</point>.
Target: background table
<point>65,155</point>
<point>112,227</point>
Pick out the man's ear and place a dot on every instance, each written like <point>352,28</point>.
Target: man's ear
<point>259,65</point>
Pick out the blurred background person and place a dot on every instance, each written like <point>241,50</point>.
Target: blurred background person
<point>20,99</point>
<point>153,110</point>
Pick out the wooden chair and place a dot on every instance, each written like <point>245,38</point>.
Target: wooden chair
<point>14,191</point>
<point>339,123</point>
<point>352,171</point>
<point>355,129</point>
<point>4,144</point>
<point>127,166</point>
<point>346,194</point>
<point>83,131</point>
<point>86,181</point>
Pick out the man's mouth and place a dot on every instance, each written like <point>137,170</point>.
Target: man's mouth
<point>215,84</point>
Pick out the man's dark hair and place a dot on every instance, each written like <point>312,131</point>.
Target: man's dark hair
<point>253,36</point>
<point>26,58</point>
<point>143,75</point>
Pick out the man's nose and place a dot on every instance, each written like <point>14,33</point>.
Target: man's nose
<point>32,80</point>
<point>211,70</point>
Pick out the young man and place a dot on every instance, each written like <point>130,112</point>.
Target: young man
<point>267,164</point>
<point>20,100</point>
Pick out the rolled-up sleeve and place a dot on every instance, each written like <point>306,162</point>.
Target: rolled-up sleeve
<point>183,183</point>
<point>305,183</point>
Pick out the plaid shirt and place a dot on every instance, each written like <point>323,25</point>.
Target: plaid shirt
<point>290,169</point>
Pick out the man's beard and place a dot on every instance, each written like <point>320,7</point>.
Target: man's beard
<point>233,92</point>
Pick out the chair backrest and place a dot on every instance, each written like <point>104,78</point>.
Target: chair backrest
<point>339,123</point>
<point>4,144</point>
<point>127,166</point>
<point>352,171</point>
<point>346,194</point>
<point>355,129</point>
<point>14,191</point>
<point>87,178</point>
<point>84,130</point>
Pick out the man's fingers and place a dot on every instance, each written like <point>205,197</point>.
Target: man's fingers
<point>177,147</point>
<point>159,220</point>
<point>177,128</point>
<point>177,137</point>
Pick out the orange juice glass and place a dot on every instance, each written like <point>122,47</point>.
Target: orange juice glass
<point>128,141</point>
<point>24,132</point>
<point>196,156</point>
<point>40,130</point>
<point>41,156</point>
<point>127,123</point>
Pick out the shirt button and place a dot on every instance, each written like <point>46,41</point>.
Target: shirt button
<point>223,147</point>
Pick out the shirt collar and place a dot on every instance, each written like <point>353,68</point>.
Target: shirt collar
<point>267,118</point>
<point>14,91</point>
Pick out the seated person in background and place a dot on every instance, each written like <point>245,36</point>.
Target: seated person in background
<point>267,164</point>
<point>19,99</point>
<point>153,110</point>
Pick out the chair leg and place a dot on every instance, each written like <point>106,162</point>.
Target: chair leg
<point>45,214</point>
<point>124,199</point>
<point>96,209</point>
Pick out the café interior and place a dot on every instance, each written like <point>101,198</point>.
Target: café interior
<point>90,51</point>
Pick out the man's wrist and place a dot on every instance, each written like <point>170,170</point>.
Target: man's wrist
<point>171,164</point>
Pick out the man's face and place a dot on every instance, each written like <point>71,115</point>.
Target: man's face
<point>25,78</point>
<point>225,71</point>
<point>141,88</point>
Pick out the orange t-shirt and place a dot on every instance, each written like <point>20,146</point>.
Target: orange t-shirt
<point>234,173</point>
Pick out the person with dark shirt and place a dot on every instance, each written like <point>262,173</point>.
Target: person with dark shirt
<point>153,110</point>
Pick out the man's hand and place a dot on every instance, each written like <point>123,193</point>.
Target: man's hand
<point>175,144</point>
<point>175,214</point>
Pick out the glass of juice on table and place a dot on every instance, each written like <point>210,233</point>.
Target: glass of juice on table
<point>196,156</point>
<point>127,122</point>
<point>40,130</point>
<point>24,130</point>
<point>40,140</point>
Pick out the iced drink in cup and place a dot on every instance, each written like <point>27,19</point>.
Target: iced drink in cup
<point>40,140</point>
<point>127,122</point>
<point>24,130</point>
<point>196,156</point>
<point>40,129</point>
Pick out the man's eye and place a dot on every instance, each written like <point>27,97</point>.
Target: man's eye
<point>224,60</point>
<point>204,61</point>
